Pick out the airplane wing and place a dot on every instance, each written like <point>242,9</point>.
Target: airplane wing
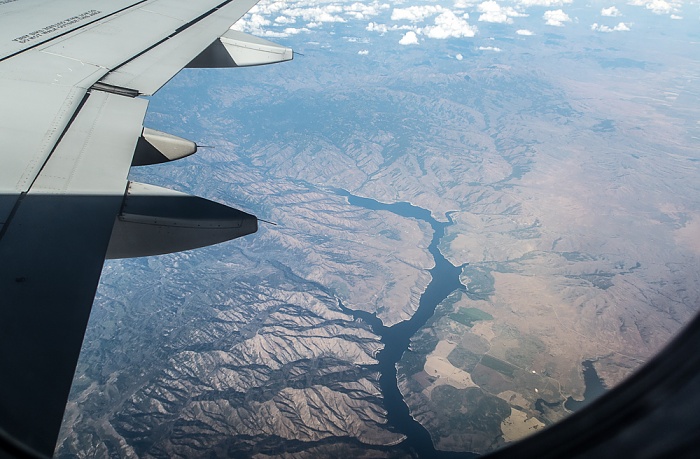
<point>74,76</point>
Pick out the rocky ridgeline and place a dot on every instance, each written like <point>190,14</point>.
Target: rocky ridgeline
<point>281,369</point>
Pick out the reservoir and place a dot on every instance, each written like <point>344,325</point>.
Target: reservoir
<point>396,339</point>
<point>594,388</point>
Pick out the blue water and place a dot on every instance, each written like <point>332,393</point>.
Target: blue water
<point>445,280</point>
<point>594,388</point>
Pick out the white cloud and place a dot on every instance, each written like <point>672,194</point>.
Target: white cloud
<point>268,8</point>
<point>448,25</point>
<point>363,52</point>
<point>316,15</point>
<point>524,32</point>
<point>556,18</point>
<point>415,13</point>
<point>292,31</point>
<point>374,27</point>
<point>493,12</point>
<point>527,3</point>
<point>611,12</point>
<point>621,27</point>
<point>268,18</point>
<point>363,11</point>
<point>284,20</point>
<point>258,21</point>
<point>310,12</point>
<point>459,57</point>
<point>658,6</point>
<point>256,24</point>
<point>409,39</point>
<point>490,48</point>
<point>405,27</point>
<point>464,4</point>
<point>675,16</point>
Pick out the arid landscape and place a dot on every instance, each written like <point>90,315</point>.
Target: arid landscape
<point>563,162</point>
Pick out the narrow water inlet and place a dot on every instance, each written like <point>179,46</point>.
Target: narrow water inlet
<point>397,338</point>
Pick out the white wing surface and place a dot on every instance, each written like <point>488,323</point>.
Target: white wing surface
<point>73,76</point>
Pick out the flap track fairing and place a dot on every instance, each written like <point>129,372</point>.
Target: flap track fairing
<point>155,220</point>
<point>155,147</point>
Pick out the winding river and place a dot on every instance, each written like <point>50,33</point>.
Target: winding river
<point>396,339</point>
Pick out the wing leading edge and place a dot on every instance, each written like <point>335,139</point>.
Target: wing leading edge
<point>70,124</point>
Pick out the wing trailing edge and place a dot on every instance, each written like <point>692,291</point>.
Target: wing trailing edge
<point>237,49</point>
